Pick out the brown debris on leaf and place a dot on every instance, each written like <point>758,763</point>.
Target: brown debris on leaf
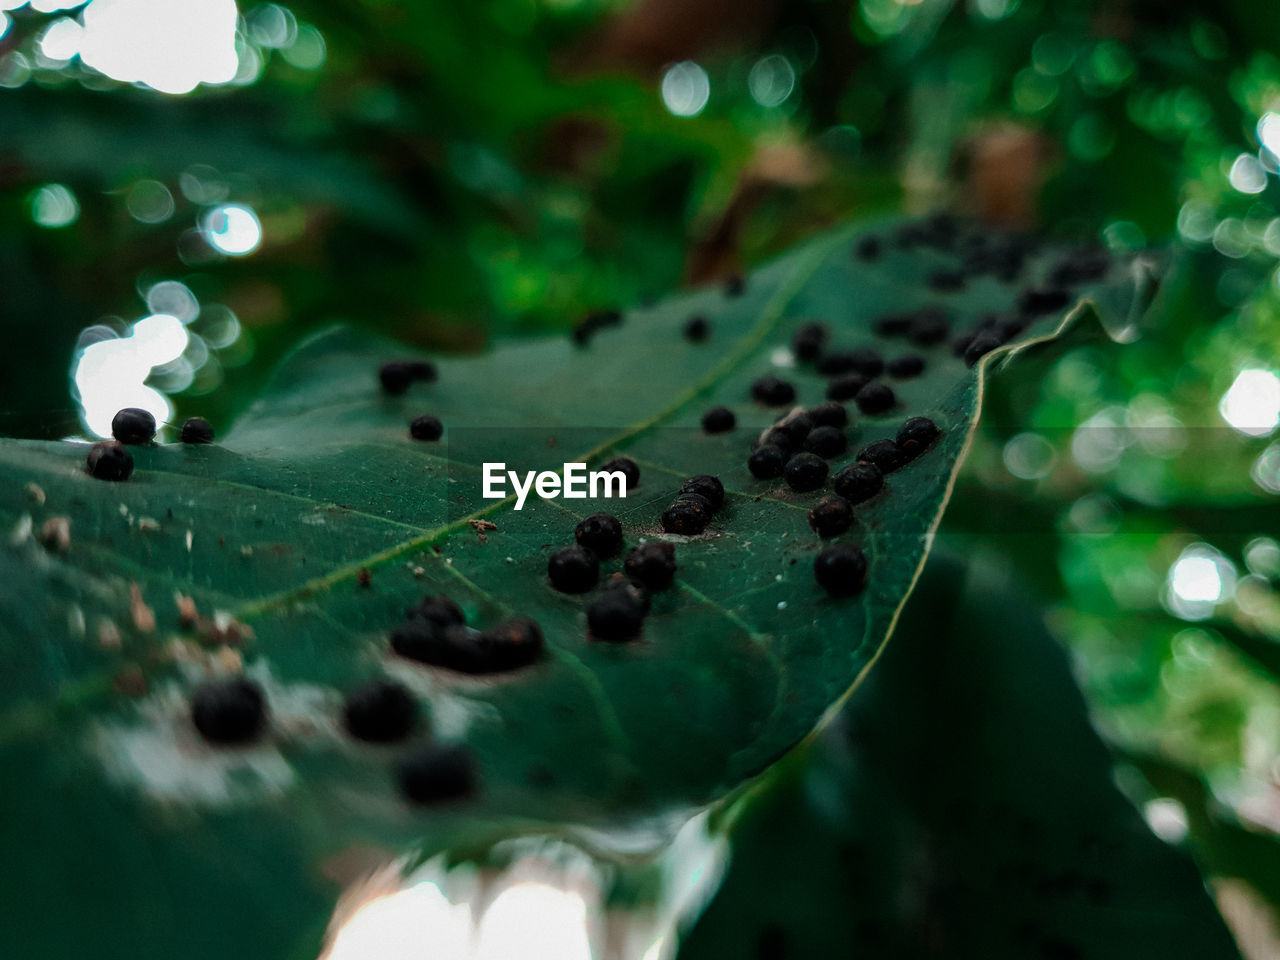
<point>55,533</point>
<point>144,618</point>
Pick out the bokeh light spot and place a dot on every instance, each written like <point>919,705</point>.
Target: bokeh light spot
<point>54,205</point>
<point>149,201</point>
<point>175,299</point>
<point>1247,174</point>
<point>232,229</point>
<point>771,80</point>
<point>170,45</point>
<point>1252,404</point>
<point>686,88</point>
<point>1200,579</point>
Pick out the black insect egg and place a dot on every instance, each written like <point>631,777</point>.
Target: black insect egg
<point>133,425</point>
<point>688,515</point>
<point>805,471</point>
<point>696,329</point>
<point>875,398</point>
<point>858,482</point>
<point>229,711</point>
<point>826,442</point>
<point>766,461</point>
<point>196,430</point>
<point>515,642</point>
<point>829,414</point>
<point>719,420</point>
<point>652,565</point>
<point>831,516</point>
<point>396,376</point>
<point>618,613</point>
<point>426,428</point>
<point>437,774</point>
<point>916,435</point>
<point>627,467</point>
<point>706,486</point>
<point>109,461</point>
<point>380,711</point>
<point>841,569</point>
<point>807,342</point>
<point>885,454</point>
<point>846,386</point>
<point>573,570</point>
<point>773,391</point>
<point>601,533</point>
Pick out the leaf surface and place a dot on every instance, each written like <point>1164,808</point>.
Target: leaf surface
<point>312,526</point>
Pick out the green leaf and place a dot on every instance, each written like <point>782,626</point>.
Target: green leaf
<point>961,806</point>
<point>320,482</point>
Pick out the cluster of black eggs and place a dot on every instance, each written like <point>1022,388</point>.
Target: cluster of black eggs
<point>396,376</point>
<point>699,500</point>
<point>435,632</point>
<point>617,612</point>
<point>133,426</point>
<point>233,712</point>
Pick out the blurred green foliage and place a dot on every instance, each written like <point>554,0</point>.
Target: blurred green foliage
<point>456,171</point>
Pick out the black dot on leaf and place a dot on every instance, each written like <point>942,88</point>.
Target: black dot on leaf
<point>916,435</point>
<point>841,569</point>
<point>808,340</point>
<point>397,375</point>
<point>109,461</point>
<point>627,467</point>
<point>826,442</point>
<point>830,414</point>
<point>601,533</point>
<point>515,642</point>
<point>437,774</point>
<point>652,565</point>
<point>426,428</point>
<point>867,248</point>
<point>196,430</point>
<point>688,515</point>
<point>229,711</point>
<point>618,613</point>
<point>697,329</point>
<point>885,455</point>
<point>773,391</point>
<point>735,285</point>
<point>979,346</point>
<point>766,462</point>
<point>133,425</point>
<point>805,472</point>
<point>906,366</point>
<point>845,386</point>
<point>794,426</point>
<point>381,711</point>
<point>719,420</point>
<point>573,570</point>
<point>831,516</point>
<point>858,482</point>
<point>593,323</point>
<point>706,486</point>
<point>875,398</point>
